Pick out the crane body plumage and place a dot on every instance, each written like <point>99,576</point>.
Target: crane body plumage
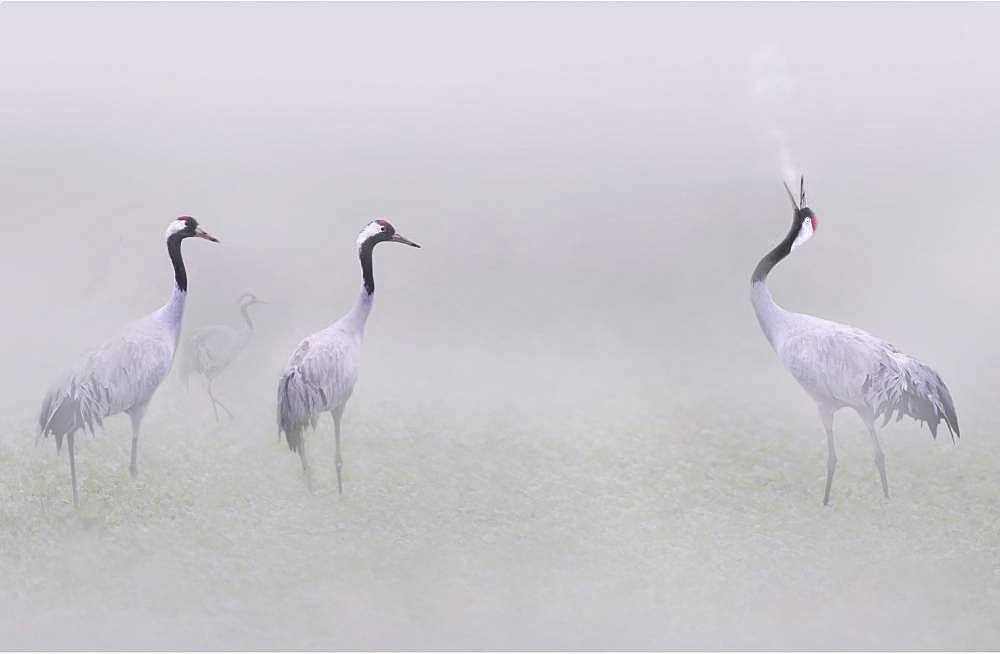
<point>321,373</point>
<point>122,375</point>
<point>841,366</point>
<point>322,370</point>
<point>117,377</point>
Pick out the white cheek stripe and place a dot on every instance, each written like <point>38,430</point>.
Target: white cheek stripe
<point>371,229</point>
<point>805,233</point>
<point>175,226</point>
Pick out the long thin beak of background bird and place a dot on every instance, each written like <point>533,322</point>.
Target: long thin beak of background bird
<point>201,233</point>
<point>396,238</point>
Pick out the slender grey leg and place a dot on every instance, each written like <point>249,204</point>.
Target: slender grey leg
<point>879,456</point>
<point>72,468</point>
<point>216,401</point>
<point>208,385</point>
<point>340,461</point>
<point>831,452</point>
<point>136,414</point>
<point>306,468</point>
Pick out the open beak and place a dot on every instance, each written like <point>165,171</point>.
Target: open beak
<point>396,238</point>
<point>201,233</point>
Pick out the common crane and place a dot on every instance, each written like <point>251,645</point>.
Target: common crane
<point>321,372</point>
<point>209,350</point>
<point>122,375</point>
<point>841,366</point>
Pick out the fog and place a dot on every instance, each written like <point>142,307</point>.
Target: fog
<point>569,431</point>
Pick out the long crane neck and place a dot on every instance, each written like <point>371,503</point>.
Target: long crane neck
<point>772,318</point>
<point>358,315</point>
<point>771,259</point>
<point>245,310</point>
<point>173,311</point>
<point>174,250</point>
<point>365,254</point>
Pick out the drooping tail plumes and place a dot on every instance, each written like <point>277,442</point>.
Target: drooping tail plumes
<point>907,387</point>
<point>296,402</point>
<point>72,405</point>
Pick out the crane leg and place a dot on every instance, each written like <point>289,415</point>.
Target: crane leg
<point>72,468</point>
<point>831,453</point>
<point>879,456</point>
<point>217,402</point>
<point>339,460</point>
<point>306,468</point>
<point>208,385</point>
<point>136,414</point>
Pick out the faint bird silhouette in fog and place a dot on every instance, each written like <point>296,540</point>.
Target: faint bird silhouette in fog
<point>209,350</point>
<point>122,375</point>
<point>321,372</point>
<point>842,366</point>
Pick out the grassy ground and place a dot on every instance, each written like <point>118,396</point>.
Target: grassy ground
<point>690,530</point>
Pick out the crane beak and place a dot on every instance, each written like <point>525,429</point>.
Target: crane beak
<point>201,233</point>
<point>396,238</point>
<point>791,196</point>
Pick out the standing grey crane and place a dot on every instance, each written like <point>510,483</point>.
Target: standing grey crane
<point>321,372</point>
<point>841,366</point>
<point>122,375</point>
<point>209,350</point>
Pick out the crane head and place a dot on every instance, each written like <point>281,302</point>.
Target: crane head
<point>804,221</point>
<point>380,231</point>
<point>186,227</point>
<point>249,298</point>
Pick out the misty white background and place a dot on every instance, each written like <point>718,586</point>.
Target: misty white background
<point>592,186</point>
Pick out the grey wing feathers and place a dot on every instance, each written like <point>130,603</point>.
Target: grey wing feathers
<point>902,385</point>
<point>118,376</point>
<point>319,377</point>
<point>841,365</point>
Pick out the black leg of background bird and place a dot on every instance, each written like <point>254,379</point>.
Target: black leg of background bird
<point>72,468</point>
<point>831,453</point>
<point>879,455</point>
<point>339,460</point>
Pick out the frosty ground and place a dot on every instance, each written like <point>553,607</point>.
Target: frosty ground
<point>678,529</point>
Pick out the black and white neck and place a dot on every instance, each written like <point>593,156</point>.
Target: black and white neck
<point>802,229</point>
<point>377,231</point>
<point>772,318</point>
<point>178,230</point>
<point>174,250</point>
